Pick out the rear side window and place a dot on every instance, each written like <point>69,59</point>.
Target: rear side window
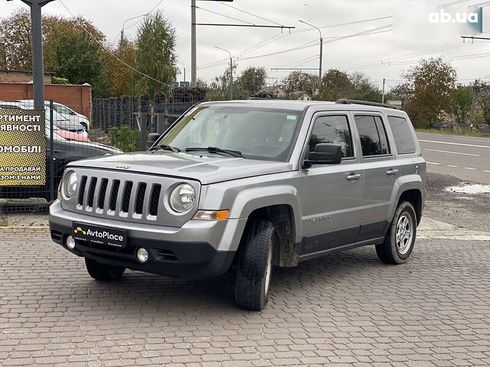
<point>373,135</point>
<point>403,135</point>
<point>333,130</point>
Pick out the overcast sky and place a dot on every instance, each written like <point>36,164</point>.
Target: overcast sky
<point>391,46</point>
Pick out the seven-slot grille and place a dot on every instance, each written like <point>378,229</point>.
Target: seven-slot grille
<point>124,198</point>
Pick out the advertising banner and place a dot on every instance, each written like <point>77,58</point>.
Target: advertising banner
<point>22,148</point>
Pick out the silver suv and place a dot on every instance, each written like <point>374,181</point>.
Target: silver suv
<point>245,186</point>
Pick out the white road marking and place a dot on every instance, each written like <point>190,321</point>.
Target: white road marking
<point>459,144</point>
<point>470,168</point>
<point>452,166</point>
<point>434,163</point>
<point>447,151</point>
<point>473,139</point>
<point>486,171</point>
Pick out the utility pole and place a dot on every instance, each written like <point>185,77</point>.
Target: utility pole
<point>37,51</point>
<point>473,103</point>
<point>320,67</point>
<point>384,89</point>
<point>193,45</point>
<point>231,70</point>
<point>194,34</point>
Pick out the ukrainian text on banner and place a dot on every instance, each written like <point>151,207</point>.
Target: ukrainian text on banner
<point>22,148</point>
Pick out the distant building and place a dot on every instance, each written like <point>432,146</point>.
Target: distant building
<point>15,85</point>
<point>275,92</point>
<point>300,96</point>
<point>15,76</point>
<point>395,103</point>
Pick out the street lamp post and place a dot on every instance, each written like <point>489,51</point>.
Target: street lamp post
<point>321,47</point>
<point>127,20</point>
<point>231,69</point>
<point>37,51</point>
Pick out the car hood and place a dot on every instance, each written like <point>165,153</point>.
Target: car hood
<point>204,168</point>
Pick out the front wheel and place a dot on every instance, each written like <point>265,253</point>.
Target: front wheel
<point>255,266</point>
<point>400,239</point>
<point>102,272</point>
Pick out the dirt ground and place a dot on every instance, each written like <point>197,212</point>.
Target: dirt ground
<point>462,210</point>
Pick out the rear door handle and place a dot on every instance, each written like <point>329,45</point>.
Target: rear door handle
<point>353,177</point>
<point>392,172</point>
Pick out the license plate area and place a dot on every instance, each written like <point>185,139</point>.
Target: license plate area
<point>100,235</point>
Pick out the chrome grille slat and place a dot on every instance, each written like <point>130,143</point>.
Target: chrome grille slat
<point>112,197</point>
<point>154,200</point>
<point>97,193</point>
<point>81,191</point>
<point>91,193</point>
<point>119,197</point>
<point>102,194</point>
<point>146,201</point>
<point>140,198</point>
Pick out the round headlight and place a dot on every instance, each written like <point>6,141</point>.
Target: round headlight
<point>70,185</point>
<point>182,198</point>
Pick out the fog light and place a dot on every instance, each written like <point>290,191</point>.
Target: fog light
<point>70,242</point>
<point>142,255</point>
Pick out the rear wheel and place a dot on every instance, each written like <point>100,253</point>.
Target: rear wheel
<point>255,266</point>
<point>102,272</point>
<point>400,239</point>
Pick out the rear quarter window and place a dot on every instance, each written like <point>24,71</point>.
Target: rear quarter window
<point>402,132</point>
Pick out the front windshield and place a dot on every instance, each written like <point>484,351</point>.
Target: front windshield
<point>258,133</point>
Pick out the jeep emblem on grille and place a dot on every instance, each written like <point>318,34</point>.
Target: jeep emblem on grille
<point>122,166</point>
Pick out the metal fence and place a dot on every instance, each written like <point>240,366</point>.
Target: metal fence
<point>117,125</point>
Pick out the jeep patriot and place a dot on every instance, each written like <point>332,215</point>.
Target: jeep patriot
<point>246,186</point>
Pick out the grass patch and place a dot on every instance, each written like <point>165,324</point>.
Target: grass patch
<point>4,222</point>
<point>473,133</point>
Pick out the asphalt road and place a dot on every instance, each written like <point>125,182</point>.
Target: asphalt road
<point>464,157</point>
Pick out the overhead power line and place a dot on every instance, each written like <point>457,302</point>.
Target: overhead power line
<point>81,26</point>
<point>222,15</point>
<point>249,13</point>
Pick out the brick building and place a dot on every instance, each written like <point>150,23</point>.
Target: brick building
<point>15,85</point>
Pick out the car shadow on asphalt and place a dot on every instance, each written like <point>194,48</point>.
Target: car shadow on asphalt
<point>152,293</point>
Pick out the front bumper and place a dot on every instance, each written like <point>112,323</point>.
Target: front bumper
<point>198,249</point>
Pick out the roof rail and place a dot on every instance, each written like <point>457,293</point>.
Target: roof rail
<point>366,103</point>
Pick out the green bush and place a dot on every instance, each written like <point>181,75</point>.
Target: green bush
<point>124,138</point>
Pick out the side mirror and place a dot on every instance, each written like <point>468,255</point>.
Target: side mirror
<point>152,138</point>
<point>325,154</point>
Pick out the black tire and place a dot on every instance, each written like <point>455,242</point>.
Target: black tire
<point>391,251</point>
<point>254,262</point>
<point>102,272</point>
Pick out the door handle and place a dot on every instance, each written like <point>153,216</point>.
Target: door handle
<point>392,172</point>
<point>353,177</point>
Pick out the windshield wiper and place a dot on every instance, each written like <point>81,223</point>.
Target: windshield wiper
<point>216,150</point>
<point>166,147</point>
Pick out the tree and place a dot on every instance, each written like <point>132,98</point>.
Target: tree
<point>79,59</point>
<point>121,78</point>
<point>219,88</point>
<point>482,100</point>
<point>156,54</point>
<point>364,88</point>
<point>298,81</point>
<point>72,47</point>
<point>15,33</point>
<point>252,80</point>
<point>433,82</point>
<point>402,92</point>
<point>336,85</point>
<point>463,101</point>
